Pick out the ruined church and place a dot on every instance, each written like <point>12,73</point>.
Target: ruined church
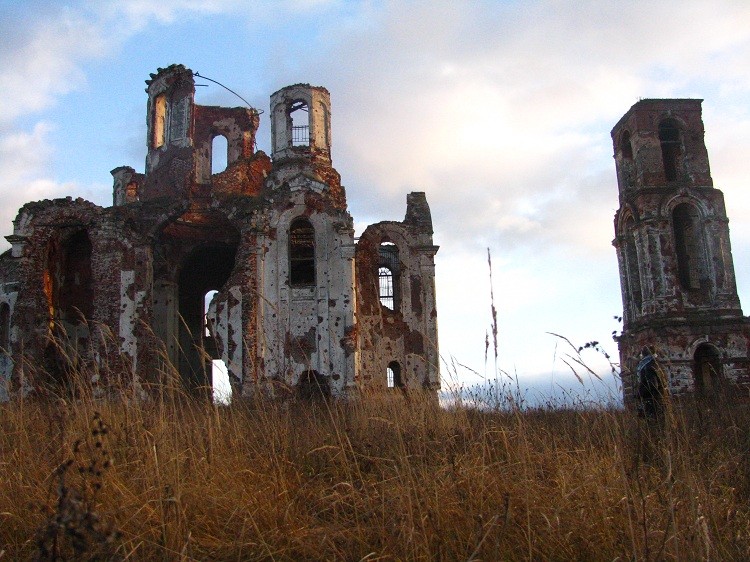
<point>676,271</point>
<point>255,265</point>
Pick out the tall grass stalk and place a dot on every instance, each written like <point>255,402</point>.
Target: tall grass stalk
<point>380,478</point>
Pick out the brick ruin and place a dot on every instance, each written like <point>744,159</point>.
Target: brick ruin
<point>672,239</point>
<point>256,265</point>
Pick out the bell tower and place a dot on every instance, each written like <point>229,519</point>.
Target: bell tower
<point>672,240</point>
<point>301,124</point>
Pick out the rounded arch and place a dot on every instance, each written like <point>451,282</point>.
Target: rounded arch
<point>394,378</point>
<point>389,274</point>
<point>298,122</point>
<point>627,213</point>
<point>207,267</point>
<point>302,259</point>
<point>625,147</point>
<point>668,204</point>
<point>707,368</point>
<point>689,246</point>
<point>219,153</point>
<point>68,277</point>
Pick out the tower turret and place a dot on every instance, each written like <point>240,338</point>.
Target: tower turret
<point>672,240</point>
<point>301,124</point>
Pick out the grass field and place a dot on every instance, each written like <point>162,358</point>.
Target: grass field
<point>383,478</point>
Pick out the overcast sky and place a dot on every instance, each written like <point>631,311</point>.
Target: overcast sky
<point>500,111</point>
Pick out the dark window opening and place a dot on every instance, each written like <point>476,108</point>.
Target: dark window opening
<point>671,148</point>
<point>688,246</point>
<point>632,270</point>
<point>219,154</point>
<point>204,270</point>
<point>299,116</point>
<point>75,297</point>
<point>4,327</point>
<point>388,275</point>
<point>313,386</point>
<point>626,146</point>
<point>301,253</point>
<point>393,375</point>
<point>707,369</point>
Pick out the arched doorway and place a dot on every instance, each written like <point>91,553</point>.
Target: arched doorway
<point>707,369</point>
<point>204,271</point>
<point>70,300</point>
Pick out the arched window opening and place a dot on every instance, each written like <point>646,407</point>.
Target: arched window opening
<point>707,369</point>
<point>388,275</point>
<point>393,375</point>
<point>633,272</point>
<point>219,150</point>
<point>4,327</point>
<point>206,268</point>
<point>385,287</point>
<point>671,147</point>
<point>160,120</point>
<point>131,192</point>
<point>75,294</point>
<point>688,246</point>
<point>301,253</point>
<point>299,116</point>
<point>626,146</point>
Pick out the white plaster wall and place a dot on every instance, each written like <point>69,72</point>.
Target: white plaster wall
<point>129,307</point>
<point>225,320</point>
<point>6,361</point>
<point>327,307</point>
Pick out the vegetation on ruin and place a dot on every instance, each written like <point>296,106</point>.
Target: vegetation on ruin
<point>384,478</point>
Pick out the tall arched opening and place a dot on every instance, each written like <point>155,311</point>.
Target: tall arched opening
<point>204,270</point>
<point>707,369</point>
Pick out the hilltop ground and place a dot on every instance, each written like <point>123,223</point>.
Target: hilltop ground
<point>385,478</point>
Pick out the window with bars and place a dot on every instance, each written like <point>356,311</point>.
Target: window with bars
<point>385,287</point>
<point>388,275</point>
<point>301,253</point>
<point>299,116</point>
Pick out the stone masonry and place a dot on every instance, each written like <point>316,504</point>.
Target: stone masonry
<point>255,265</point>
<point>672,239</point>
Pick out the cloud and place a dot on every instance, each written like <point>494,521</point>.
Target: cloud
<point>43,60</point>
<point>24,157</point>
<point>500,111</point>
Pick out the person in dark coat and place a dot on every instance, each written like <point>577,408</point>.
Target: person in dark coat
<point>649,390</point>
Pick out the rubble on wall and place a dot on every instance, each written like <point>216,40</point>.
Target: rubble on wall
<point>192,265</point>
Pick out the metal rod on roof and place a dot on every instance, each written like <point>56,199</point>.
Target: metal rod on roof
<point>247,103</point>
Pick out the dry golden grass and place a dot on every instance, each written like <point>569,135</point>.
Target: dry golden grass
<point>377,479</point>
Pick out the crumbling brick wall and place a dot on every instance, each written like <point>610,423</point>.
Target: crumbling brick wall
<point>126,286</point>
